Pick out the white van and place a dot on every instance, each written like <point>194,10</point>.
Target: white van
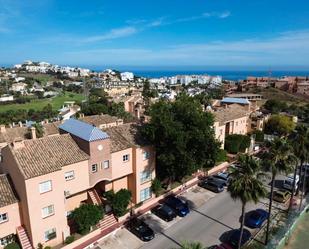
<point>288,182</point>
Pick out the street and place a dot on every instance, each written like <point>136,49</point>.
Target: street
<point>207,224</point>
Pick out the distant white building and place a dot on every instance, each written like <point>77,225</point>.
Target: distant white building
<point>6,97</point>
<point>18,79</point>
<point>18,66</point>
<point>19,87</point>
<point>127,76</point>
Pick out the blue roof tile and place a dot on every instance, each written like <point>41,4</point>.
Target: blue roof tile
<point>83,130</point>
<point>235,100</point>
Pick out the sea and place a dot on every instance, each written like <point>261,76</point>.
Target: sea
<point>227,75</point>
<point>233,75</point>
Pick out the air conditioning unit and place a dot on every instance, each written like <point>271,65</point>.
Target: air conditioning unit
<point>67,193</point>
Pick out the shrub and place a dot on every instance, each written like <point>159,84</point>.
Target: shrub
<point>12,245</point>
<point>259,136</point>
<point>119,201</point>
<point>221,156</point>
<point>86,216</point>
<point>47,247</point>
<point>69,239</point>
<point>279,125</point>
<point>236,143</point>
<point>156,186</point>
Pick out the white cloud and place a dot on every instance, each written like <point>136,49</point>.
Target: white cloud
<point>289,48</point>
<point>110,35</point>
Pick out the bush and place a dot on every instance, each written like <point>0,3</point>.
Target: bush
<point>69,239</point>
<point>119,201</point>
<point>221,156</point>
<point>259,136</point>
<point>236,143</point>
<point>279,125</point>
<point>86,216</point>
<point>12,245</point>
<point>156,186</point>
<point>47,247</point>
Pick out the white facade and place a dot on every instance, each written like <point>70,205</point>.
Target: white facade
<point>127,76</point>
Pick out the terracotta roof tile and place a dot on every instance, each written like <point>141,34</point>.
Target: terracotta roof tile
<point>7,194</point>
<point>48,154</point>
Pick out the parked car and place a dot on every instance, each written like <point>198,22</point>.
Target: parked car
<point>223,176</point>
<point>164,212</point>
<point>140,229</point>
<point>288,182</point>
<point>282,196</point>
<point>235,235</point>
<point>256,218</point>
<point>213,185</point>
<point>180,207</point>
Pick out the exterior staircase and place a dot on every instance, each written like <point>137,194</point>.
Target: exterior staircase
<point>94,197</point>
<point>108,221</point>
<point>23,238</point>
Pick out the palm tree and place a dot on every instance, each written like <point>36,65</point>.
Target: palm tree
<point>245,186</point>
<point>300,142</point>
<point>277,159</point>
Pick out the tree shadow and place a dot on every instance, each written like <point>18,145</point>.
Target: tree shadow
<point>155,223</point>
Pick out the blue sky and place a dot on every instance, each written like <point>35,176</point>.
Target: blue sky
<point>161,33</point>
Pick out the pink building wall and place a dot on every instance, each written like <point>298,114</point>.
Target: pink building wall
<point>9,227</point>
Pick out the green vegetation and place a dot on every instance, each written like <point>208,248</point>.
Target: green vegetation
<point>279,125</point>
<point>156,187</point>
<point>183,137</point>
<point>86,216</point>
<point>275,106</point>
<point>38,104</point>
<point>245,186</point>
<point>99,103</point>
<point>192,245</point>
<point>119,201</point>
<point>259,136</point>
<point>221,157</point>
<point>236,143</point>
<point>12,245</point>
<point>277,159</point>
<point>69,239</point>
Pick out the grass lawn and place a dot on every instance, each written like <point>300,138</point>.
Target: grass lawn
<point>38,104</point>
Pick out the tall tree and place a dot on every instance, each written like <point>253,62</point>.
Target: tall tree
<point>300,144</point>
<point>279,125</point>
<point>183,136</point>
<point>277,159</point>
<point>245,186</point>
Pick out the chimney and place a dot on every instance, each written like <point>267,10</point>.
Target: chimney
<point>18,143</point>
<point>2,128</point>
<point>33,134</point>
<point>46,121</point>
<point>81,115</point>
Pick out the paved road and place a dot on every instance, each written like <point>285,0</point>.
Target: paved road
<point>208,224</point>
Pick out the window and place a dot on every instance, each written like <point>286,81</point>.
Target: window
<point>126,158</point>
<point>50,234</point>
<point>145,194</point>
<point>146,155</point>
<point>94,168</point>
<point>145,176</point>
<point>69,175</point>
<point>48,211</point>
<point>45,187</point>
<point>106,164</point>
<point>4,217</point>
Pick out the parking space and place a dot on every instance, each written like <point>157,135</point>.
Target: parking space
<point>157,224</point>
<point>121,238</point>
<point>197,196</point>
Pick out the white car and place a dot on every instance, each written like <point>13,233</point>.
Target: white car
<point>288,182</point>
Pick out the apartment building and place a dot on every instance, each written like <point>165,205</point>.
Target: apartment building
<point>303,88</point>
<point>46,178</point>
<point>232,119</point>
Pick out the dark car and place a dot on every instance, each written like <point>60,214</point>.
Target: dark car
<point>141,229</point>
<point>164,212</point>
<point>222,246</point>
<point>181,208</point>
<point>256,218</point>
<point>235,235</point>
<point>215,186</point>
<point>224,177</point>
